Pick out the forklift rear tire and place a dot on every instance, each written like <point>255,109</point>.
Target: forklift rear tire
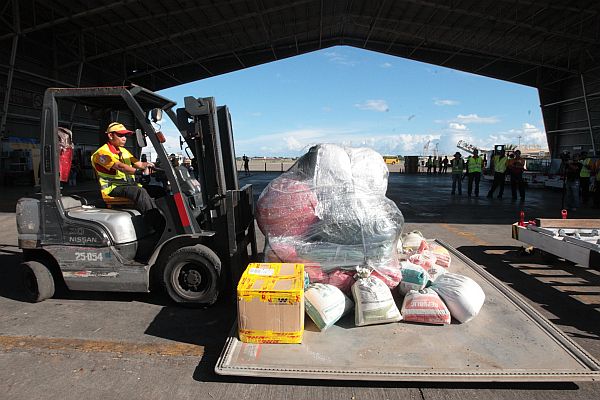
<point>37,281</point>
<point>191,275</point>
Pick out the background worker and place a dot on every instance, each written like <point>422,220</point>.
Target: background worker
<point>498,166</point>
<point>436,164</point>
<point>246,161</point>
<point>516,167</point>
<point>445,163</point>
<point>474,168</point>
<point>596,171</point>
<point>458,166</point>
<point>572,174</point>
<point>116,169</point>
<point>584,176</point>
<point>429,164</point>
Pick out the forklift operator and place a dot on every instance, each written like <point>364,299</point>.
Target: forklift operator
<point>116,168</point>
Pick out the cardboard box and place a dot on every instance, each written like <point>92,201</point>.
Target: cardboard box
<point>271,303</point>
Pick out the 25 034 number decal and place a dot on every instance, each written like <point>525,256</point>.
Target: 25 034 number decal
<point>85,256</point>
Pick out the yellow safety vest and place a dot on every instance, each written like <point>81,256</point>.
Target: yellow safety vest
<point>458,165</point>
<point>109,178</point>
<point>500,164</point>
<point>585,170</point>
<point>474,164</point>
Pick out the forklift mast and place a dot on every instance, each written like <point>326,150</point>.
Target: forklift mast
<point>207,131</point>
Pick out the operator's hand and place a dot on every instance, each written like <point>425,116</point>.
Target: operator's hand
<point>148,165</point>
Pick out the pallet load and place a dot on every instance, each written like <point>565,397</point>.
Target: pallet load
<point>330,213</point>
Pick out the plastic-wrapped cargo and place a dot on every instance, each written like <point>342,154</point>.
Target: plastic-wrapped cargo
<point>329,211</point>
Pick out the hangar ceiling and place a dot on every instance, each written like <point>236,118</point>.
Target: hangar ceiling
<point>553,46</point>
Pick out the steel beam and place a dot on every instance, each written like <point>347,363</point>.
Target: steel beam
<point>587,111</point>
<point>191,30</point>
<point>453,8</point>
<point>72,17</point>
<point>11,69</point>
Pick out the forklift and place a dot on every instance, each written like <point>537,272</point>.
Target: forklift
<point>206,235</point>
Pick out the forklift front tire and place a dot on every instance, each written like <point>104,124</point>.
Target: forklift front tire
<point>37,281</point>
<point>191,275</point>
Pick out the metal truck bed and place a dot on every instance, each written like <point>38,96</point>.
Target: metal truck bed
<point>507,341</point>
<point>579,245</point>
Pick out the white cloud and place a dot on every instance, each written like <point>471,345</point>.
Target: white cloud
<point>373,105</point>
<point>339,58</point>
<point>293,144</point>
<point>445,102</point>
<point>476,119</point>
<point>457,126</point>
<point>296,142</point>
<point>386,65</point>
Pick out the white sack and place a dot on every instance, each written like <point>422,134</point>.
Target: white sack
<point>374,303</point>
<point>326,304</point>
<point>463,296</point>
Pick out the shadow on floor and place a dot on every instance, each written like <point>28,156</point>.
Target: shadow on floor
<point>510,265</point>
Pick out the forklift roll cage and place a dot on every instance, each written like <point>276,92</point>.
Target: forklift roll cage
<point>216,214</point>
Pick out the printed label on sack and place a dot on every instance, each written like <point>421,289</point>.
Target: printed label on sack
<point>261,271</point>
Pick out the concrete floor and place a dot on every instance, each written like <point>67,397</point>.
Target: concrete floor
<point>113,345</point>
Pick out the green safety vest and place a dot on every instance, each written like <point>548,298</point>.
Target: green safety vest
<point>429,162</point>
<point>458,166</point>
<point>585,171</point>
<point>474,164</point>
<point>500,164</point>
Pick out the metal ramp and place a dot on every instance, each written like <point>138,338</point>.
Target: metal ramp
<point>508,341</point>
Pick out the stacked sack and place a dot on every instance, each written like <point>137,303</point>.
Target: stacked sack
<point>329,212</point>
<point>432,294</point>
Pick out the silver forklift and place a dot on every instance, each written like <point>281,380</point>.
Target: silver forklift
<point>205,236</point>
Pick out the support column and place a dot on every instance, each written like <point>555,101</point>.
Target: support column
<point>587,111</point>
<point>11,69</point>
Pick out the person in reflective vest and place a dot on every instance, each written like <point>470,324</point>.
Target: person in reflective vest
<point>458,166</point>
<point>597,182</point>
<point>516,167</point>
<point>116,169</point>
<point>429,164</point>
<point>474,168</point>
<point>499,167</point>
<point>584,176</point>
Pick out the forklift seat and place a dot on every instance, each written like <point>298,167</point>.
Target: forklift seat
<point>116,201</point>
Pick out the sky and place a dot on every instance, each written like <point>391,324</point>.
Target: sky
<point>357,98</point>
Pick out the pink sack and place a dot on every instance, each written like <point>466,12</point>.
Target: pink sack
<point>286,208</point>
<point>342,280</point>
<point>425,306</point>
<point>425,260</point>
<point>315,273</point>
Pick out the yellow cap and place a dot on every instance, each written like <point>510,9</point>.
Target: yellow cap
<point>116,127</point>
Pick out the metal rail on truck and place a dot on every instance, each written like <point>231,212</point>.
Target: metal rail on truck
<point>579,245</point>
<point>508,341</point>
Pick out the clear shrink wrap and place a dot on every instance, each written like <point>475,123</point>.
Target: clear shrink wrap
<point>329,211</point>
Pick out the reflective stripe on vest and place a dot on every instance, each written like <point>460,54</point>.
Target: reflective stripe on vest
<point>474,164</point>
<point>500,164</point>
<point>458,165</point>
<point>585,171</point>
<point>107,181</point>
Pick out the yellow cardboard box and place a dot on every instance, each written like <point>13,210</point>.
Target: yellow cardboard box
<point>271,303</point>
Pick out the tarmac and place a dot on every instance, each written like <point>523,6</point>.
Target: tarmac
<point>130,345</point>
